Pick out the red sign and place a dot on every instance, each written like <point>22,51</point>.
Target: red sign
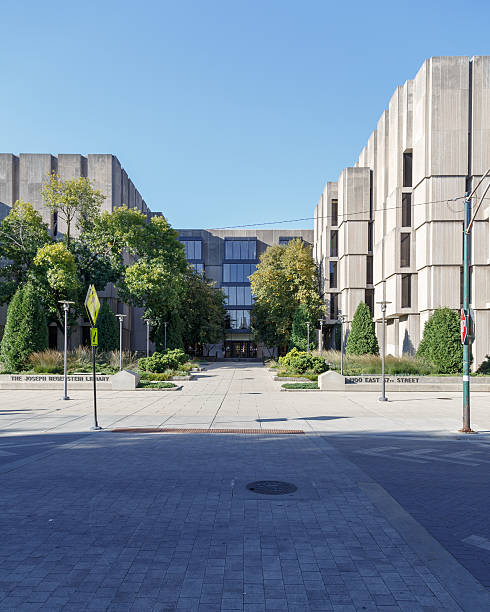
<point>464,327</point>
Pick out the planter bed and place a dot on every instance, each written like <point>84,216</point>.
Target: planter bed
<point>292,379</point>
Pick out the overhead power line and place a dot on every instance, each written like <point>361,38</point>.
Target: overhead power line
<point>341,216</point>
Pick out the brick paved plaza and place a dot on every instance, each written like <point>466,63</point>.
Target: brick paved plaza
<point>389,512</point>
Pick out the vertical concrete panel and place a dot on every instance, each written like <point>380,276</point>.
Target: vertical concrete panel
<point>9,182</point>
<point>100,173</point>
<point>34,171</point>
<point>480,151</point>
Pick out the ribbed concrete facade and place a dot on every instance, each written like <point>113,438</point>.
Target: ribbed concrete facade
<point>22,176</point>
<point>398,229</point>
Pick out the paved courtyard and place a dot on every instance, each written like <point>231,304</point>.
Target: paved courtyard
<point>389,512</point>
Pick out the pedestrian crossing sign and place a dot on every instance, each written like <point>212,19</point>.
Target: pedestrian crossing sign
<point>92,304</point>
<point>94,336</point>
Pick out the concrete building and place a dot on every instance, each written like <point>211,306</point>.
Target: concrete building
<point>390,228</point>
<point>229,257</point>
<point>22,176</point>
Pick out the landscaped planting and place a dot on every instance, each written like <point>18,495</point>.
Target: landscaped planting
<point>301,363</point>
<point>299,385</point>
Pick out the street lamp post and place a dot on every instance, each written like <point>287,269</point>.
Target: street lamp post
<point>121,318</point>
<point>383,397</point>
<point>147,337</point>
<point>165,339</point>
<point>341,321</point>
<point>66,308</point>
<point>307,336</point>
<point>321,337</point>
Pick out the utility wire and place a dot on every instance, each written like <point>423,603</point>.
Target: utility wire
<point>342,216</point>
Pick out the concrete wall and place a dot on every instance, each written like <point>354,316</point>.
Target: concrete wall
<point>441,117</point>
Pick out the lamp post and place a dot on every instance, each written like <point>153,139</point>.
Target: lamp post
<point>165,338</point>
<point>147,337</point>
<point>321,336</point>
<point>341,318</point>
<point>121,318</point>
<point>308,336</point>
<point>66,308</point>
<point>383,397</point>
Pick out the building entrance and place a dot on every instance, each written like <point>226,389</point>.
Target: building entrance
<point>237,349</point>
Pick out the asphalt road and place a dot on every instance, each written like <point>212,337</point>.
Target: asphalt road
<point>443,482</point>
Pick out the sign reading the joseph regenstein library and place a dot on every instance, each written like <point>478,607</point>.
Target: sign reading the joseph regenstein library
<point>92,304</point>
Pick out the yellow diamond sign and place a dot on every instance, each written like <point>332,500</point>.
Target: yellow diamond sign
<point>92,304</point>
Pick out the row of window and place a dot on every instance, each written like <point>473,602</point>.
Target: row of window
<point>238,296</point>
<point>193,249</point>
<point>241,249</point>
<point>238,319</point>
<point>238,273</point>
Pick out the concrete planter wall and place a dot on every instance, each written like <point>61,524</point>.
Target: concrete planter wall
<point>333,381</point>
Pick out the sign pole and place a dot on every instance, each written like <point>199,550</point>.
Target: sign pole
<point>464,337</point>
<point>94,348</point>
<point>92,305</point>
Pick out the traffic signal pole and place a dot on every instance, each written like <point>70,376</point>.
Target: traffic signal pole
<point>466,306</point>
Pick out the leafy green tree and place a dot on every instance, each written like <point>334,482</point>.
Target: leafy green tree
<point>56,277</point>
<point>299,330</point>
<point>362,337</point>
<point>74,201</point>
<point>286,277</point>
<point>441,342</point>
<point>26,330</point>
<point>202,310</point>
<point>22,233</point>
<point>108,329</point>
<point>262,330</point>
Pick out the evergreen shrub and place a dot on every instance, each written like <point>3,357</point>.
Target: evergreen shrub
<point>441,342</point>
<point>108,327</point>
<point>300,362</point>
<point>362,337</point>
<point>26,330</point>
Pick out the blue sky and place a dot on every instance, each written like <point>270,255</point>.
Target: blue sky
<point>222,112</point>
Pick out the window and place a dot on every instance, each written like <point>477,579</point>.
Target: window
<point>55,224</point>
<point>369,299</point>
<point>240,249</point>
<point>406,290</point>
<point>238,273</point>
<point>404,250</point>
<point>238,319</point>
<point>334,306</point>
<point>369,270</point>
<point>334,243</point>
<point>238,296</point>
<point>406,209</point>
<point>333,274</point>
<point>193,249</point>
<point>198,267</point>
<point>407,169</point>
<point>334,207</point>
<point>370,236</point>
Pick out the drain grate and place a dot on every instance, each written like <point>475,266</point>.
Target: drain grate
<point>204,431</point>
<point>272,487</point>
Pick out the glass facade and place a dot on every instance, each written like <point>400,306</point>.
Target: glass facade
<point>241,249</point>
<point>237,273</point>
<point>198,267</point>
<point>238,319</point>
<point>333,274</point>
<point>193,249</point>
<point>238,296</point>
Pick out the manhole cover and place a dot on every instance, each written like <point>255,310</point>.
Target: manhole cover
<point>271,487</point>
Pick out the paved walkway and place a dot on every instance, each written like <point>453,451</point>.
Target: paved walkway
<point>110,521</point>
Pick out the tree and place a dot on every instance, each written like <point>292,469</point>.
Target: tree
<point>108,329</point>
<point>441,342</point>
<point>286,277</point>
<point>362,337</point>
<point>73,200</point>
<point>202,310</point>
<point>56,277</point>
<point>262,330</point>
<point>22,233</point>
<point>26,330</point>
<point>299,330</point>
